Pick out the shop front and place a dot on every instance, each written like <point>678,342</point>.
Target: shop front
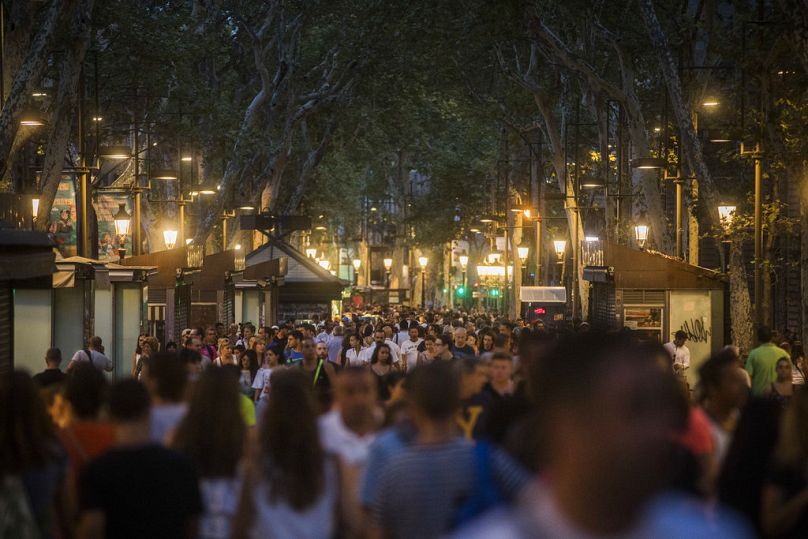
<point>656,296</point>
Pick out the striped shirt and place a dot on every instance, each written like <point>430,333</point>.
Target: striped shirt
<point>422,487</point>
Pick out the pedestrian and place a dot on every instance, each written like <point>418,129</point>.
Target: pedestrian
<point>460,346</point>
<point>486,341</point>
<point>353,355</point>
<point>294,347</point>
<point>438,471</point>
<point>32,462</point>
<point>248,331</point>
<point>409,347</point>
<point>606,457</point>
<point>148,347</point>
<point>291,487</point>
<point>321,373</point>
<point>138,488</point>
<point>53,373</point>
<point>781,390</point>
<point>347,431</point>
<point>215,453</point>
<point>209,347</point>
<point>92,354</point>
<point>680,354</point>
<point>381,365</point>
<point>762,361</point>
<point>138,351</point>
<point>429,352</point>
<point>443,348</point>
<point>501,384</point>
<point>335,345</point>
<point>165,376</point>
<point>784,498</point>
<point>249,371</point>
<point>475,404</point>
<point>261,383</point>
<point>725,393</point>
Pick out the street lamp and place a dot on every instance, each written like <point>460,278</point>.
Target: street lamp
<point>726,214</point>
<point>423,261</point>
<point>122,220</point>
<point>170,238</point>
<point>523,251</point>
<point>35,204</point>
<point>164,174</point>
<point>32,118</point>
<point>356,264</point>
<point>641,235</point>
<point>325,264</point>
<point>311,252</point>
<point>560,248</point>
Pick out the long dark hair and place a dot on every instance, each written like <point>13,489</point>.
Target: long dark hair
<point>290,441</point>
<point>252,355</point>
<point>215,401</point>
<point>27,438</point>
<point>375,358</point>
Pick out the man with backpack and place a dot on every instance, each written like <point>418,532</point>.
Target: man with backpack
<point>94,354</point>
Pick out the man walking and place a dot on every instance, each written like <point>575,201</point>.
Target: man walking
<point>93,354</point>
<point>53,373</point>
<point>762,361</point>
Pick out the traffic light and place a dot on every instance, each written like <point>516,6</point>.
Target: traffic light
<point>495,292</point>
<point>461,291</point>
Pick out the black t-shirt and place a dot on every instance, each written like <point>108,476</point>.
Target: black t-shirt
<point>472,418</point>
<point>49,377</point>
<point>143,491</point>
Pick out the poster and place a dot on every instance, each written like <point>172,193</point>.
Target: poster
<point>62,219</point>
<point>106,206</point>
<point>645,319</point>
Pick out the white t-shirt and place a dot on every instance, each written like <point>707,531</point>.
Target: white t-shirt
<point>409,350</point>
<point>262,382</point>
<point>402,337</point>
<point>356,359</point>
<point>220,497</point>
<point>680,354</point>
<point>338,439</point>
<point>99,360</point>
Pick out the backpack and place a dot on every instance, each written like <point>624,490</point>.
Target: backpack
<point>486,494</point>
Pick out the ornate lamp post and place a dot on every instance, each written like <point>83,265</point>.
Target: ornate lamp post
<point>122,220</point>
<point>422,262</point>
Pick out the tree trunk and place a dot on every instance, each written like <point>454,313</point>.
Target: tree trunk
<point>64,112</point>
<point>27,78</point>
<point>740,306</point>
<point>795,16</point>
<point>684,120</point>
<point>804,247</point>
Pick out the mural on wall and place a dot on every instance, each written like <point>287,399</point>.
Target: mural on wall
<point>106,205</point>
<point>691,312</point>
<point>62,219</point>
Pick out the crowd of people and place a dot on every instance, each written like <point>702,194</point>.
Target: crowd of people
<point>408,424</point>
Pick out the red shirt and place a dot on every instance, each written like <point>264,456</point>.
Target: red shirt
<point>85,440</point>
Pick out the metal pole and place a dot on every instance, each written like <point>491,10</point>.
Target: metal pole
<point>758,243</point>
<point>423,288</point>
<point>83,195</point>
<point>136,217</point>
<point>182,222</point>
<point>679,229</point>
<point>538,251</point>
<point>2,54</point>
